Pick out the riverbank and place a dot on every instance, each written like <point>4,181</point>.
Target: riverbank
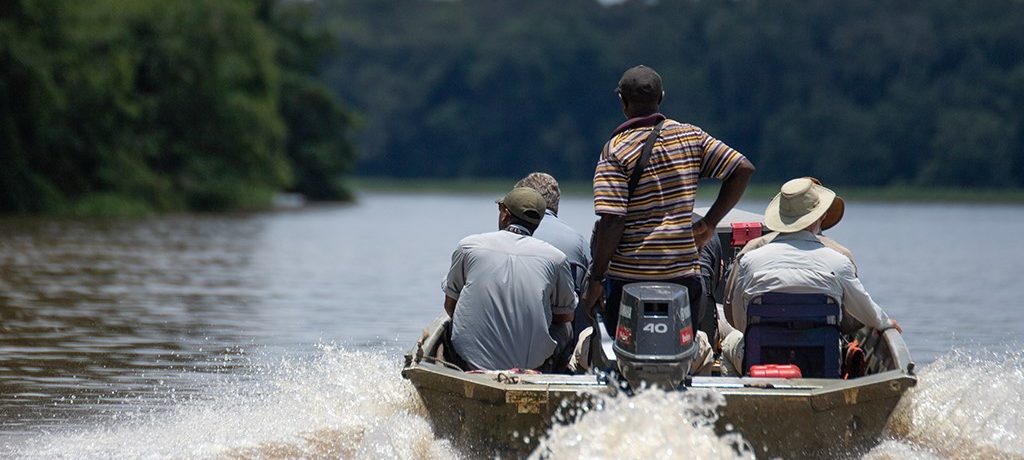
<point>889,194</point>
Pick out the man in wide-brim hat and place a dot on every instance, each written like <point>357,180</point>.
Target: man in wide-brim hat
<point>797,261</point>
<point>832,217</point>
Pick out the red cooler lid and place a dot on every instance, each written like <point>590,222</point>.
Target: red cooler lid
<point>776,371</point>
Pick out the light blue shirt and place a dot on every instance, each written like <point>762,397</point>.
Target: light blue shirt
<point>563,237</point>
<point>508,287</point>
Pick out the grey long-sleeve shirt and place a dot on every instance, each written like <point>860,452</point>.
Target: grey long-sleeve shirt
<point>507,287</point>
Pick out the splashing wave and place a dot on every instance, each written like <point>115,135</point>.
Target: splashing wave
<point>651,424</point>
<point>965,405</point>
<point>340,403</point>
<point>335,404</point>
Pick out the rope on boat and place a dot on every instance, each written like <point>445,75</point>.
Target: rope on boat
<point>434,360</point>
<point>507,378</point>
<point>547,398</point>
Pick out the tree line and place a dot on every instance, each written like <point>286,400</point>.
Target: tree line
<point>109,106</point>
<point>856,92</point>
<point>148,105</point>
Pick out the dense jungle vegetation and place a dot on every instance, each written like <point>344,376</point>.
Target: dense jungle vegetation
<point>151,105</point>
<point>114,107</point>
<point>857,92</point>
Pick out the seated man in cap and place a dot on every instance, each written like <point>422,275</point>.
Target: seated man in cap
<point>506,288</point>
<point>796,261</point>
<point>563,237</point>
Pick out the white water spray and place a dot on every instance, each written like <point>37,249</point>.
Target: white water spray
<point>335,404</point>
<point>651,424</point>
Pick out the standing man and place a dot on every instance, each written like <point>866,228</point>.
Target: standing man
<point>563,237</point>
<point>651,235</point>
<point>506,288</point>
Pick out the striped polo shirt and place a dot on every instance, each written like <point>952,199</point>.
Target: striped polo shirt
<point>657,242</point>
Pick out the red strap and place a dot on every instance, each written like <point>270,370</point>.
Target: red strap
<point>854,362</point>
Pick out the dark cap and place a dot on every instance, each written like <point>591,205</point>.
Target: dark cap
<point>640,84</point>
<point>525,203</point>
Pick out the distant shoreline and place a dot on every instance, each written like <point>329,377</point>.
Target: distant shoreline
<point>901,193</point>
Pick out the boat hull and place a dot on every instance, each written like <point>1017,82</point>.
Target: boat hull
<point>505,414</point>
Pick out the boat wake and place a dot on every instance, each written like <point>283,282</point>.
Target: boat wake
<point>344,403</point>
<point>651,424</point>
<point>336,403</point>
<point>965,405</point>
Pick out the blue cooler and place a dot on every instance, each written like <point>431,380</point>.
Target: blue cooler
<point>800,329</point>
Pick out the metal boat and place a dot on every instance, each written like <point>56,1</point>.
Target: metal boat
<point>503,413</point>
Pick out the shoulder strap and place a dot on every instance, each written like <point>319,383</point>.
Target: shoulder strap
<point>641,163</point>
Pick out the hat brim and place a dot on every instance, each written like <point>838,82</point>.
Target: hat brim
<point>775,221</point>
<point>834,214</point>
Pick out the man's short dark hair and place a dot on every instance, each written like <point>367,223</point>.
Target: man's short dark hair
<point>640,84</point>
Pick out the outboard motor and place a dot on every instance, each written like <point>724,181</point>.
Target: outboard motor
<point>654,341</point>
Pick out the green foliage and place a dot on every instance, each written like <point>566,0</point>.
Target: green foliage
<point>856,92</point>
<point>318,141</point>
<point>319,130</point>
<point>108,205</point>
<point>148,105</point>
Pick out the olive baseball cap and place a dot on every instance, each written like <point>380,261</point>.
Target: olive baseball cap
<point>640,84</point>
<point>525,203</point>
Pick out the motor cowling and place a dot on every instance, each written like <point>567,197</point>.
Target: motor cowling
<point>654,339</point>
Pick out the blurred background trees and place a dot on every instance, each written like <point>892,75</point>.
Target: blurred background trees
<point>856,92</point>
<point>220,104</point>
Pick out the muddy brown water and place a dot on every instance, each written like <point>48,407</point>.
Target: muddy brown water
<point>212,335</point>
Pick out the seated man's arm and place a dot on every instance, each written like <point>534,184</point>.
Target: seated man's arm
<point>449,306</point>
<point>736,298</point>
<point>858,303</point>
<point>730,284</point>
<point>835,246</point>
<point>454,281</point>
<point>736,307</point>
<point>563,296</point>
<point>566,318</point>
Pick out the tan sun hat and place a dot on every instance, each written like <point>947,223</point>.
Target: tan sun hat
<point>798,205</point>
<point>835,211</point>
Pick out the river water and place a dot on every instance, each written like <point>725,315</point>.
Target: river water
<point>279,335</point>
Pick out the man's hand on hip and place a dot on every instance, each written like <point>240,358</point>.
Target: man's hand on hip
<point>702,233</point>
